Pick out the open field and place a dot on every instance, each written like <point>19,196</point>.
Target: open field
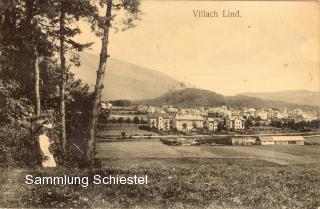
<point>131,116</point>
<point>116,129</point>
<point>173,183</point>
<point>192,177</point>
<point>313,139</point>
<point>284,154</point>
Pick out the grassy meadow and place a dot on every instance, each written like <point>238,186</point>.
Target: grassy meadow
<point>115,130</point>
<point>174,183</point>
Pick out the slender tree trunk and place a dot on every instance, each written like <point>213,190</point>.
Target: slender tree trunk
<point>63,80</point>
<point>99,85</point>
<point>36,78</point>
<point>34,63</point>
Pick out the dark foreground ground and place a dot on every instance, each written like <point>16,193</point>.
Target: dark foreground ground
<point>174,183</point>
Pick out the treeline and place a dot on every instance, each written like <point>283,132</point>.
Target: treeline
<point>299,126</point>
<point>38,47</point>
<point>121,103</point>
<point>120,120</point>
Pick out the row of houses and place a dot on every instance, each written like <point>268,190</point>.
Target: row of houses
<point>188,122</point>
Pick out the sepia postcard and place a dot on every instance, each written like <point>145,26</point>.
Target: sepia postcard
<point>157,104</point>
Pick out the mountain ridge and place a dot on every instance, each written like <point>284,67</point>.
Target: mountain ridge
<point>301,96</point>
<point>192,97</point>
<point>124,80</point>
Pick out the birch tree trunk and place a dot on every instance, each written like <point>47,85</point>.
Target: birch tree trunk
<point>63,79</point>
<point>99,86</point>
<point>36,78</point>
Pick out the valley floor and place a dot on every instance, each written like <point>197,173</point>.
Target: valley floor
<point>280,154</point>
<point>180,177</point>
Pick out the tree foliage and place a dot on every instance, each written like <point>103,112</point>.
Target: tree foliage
<point>34,33</point>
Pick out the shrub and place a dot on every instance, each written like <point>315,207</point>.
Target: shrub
<point>16,148</point>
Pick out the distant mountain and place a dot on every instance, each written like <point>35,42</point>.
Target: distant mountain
<point>124,80</point>
<point>298,97</point>
<point>192,97</point>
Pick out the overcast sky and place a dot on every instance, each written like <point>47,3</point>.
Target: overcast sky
<point>273,46</point>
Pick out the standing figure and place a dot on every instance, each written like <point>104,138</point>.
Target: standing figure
<point>44,143</point>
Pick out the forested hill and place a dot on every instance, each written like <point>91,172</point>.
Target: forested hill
<point>188,97</point>
<point>124,80</point>
<point>192,97</point>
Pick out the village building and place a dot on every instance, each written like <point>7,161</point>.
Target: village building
<point>235,123</point>
<point>213,124</point>
<point>151,109</point>
<point>243,141</point>
<point>172,110</point>
<point>105,105</point>
<point>263,115</point>
<point>251,111</point>
<point>278,115</point>
<point>298,119</point>
<point>280,140</point>
<point>309,116</point>
<point>297,111</point>
<point>187,122</point>
<point>143,109</point>
<point>159,121</point>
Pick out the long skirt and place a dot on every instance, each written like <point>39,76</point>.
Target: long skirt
<point>48,159</point>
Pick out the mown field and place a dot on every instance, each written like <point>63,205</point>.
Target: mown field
<point>174,183</point>
<point>116,130</point>
<point>210,177</point>
<point>313,140</point>
<point>284,155</point>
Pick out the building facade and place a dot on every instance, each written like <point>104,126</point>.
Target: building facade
<point>213,124</point>
<point>235,123</point>
<point>187,122</point>
<point>281,140</point>
<point>159,121</point>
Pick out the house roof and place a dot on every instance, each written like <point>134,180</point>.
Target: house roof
<point>189,117</point>
<point>172,109</point>
<point>213,119</point>
<point>156,115</point>
<point>280,138</point>
<point>235,117</point>
<point>251,110</point>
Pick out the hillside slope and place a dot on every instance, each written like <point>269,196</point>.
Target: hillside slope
<point>192,97</point>
<point>298,97</point>
<point>188,97</point>
<point>124,80</point>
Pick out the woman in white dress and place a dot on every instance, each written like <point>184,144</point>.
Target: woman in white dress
<point>44,143</point>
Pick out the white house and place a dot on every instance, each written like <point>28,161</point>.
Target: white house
<point>213,123</point>
<point>235,123</point>
<point>159,121</point>
<point>105,105</point>
<point>263,115</point>
<point>187,122</point>
<point>251,111</point>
